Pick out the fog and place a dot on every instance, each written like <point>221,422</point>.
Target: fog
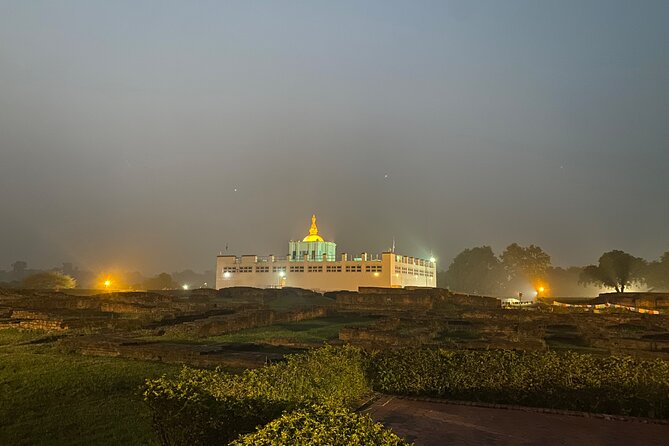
<point>150,135</point>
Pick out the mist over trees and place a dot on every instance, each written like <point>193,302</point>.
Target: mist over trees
<point>476,270</point>
<point>119,280</point>
<point>616,269</point>
<point>162,281</point>
<point>479,271</point>
<point>524,265</point>
<point>49,280</point>
<point>657,273</point>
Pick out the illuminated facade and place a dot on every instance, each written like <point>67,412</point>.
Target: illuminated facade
<point>312,263</point>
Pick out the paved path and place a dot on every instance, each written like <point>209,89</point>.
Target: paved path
<point>433,423</point>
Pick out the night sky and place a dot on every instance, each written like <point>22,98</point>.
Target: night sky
<point>148,135</point>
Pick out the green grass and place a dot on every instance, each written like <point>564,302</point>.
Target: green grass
<point>13,336</point>
<point>312,331</point>
<point>48,397</point>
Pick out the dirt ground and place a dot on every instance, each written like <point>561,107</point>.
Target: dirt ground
<point>436,424</point>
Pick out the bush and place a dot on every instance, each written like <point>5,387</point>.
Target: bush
<point>313,391</point>
<point>572,381</point>
<point>320,425</point>
<point>49,280</point>
<point>203,407</point>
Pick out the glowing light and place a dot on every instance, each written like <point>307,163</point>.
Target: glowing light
<point>107,283</point>
<point>541,289</point>
<point>432,259</point>
<point>227,274</point>
<point>282,274</point>
<point>184,286</point>
<point>376,274</point>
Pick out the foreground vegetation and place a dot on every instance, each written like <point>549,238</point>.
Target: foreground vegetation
<point>48,397</point>
<point>606,384</point>
<point>52,397</point>
<point>205,407</point>
<point>199,406</point>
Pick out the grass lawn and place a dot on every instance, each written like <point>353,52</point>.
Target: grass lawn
<point>311,331</point>
<point>50,397</point>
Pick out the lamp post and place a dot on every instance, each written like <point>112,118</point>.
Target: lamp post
<point>433,261</point>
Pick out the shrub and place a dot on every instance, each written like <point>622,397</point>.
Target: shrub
<point>320,425</point>
<point>49,280</point>
<point>605,384</point>
<point>201,407</point>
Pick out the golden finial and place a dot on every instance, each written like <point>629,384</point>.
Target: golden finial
<point>313,232</point>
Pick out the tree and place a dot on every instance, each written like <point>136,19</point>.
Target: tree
<point>19,267</point>
<point>657,273</point>
<point>476,270</point>
<point>160,282</point>
<point>525,264</point>
<point>616,269</point>
<point>49,280</point>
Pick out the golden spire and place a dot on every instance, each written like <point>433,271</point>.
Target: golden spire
<point>313,232</point>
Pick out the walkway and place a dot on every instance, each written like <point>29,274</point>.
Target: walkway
<point>441,424</point>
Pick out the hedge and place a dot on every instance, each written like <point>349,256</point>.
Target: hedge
<point>205,407</point>
<point>571,381</point>
<point>210,407</point>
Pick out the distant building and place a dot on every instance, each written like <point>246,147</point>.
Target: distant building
<point>312,264</point>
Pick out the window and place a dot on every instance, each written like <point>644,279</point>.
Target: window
<point>315,269</point>
<point>354,268</point>
<point>373,268</point>
<point>279,269</point>
<point>262,269</point>
<point>245,269</point>
<point>229,269</point>
<point>333,268</point>
<point>297,269</point>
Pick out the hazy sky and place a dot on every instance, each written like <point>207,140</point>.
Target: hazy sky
<point>147,135</point>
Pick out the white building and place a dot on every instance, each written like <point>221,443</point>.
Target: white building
<point>313,264</point>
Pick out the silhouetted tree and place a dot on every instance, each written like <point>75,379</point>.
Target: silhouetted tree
<point>616,269</point>
<point>657,273</point>
<point>161,282</point>
<point>49,280</point>
<point>476,270</point>
<point>525,264</point>
<point>19,267</point>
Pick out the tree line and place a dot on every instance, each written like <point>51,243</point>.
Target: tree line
<point>68,276</point>
<point>479,270</point>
